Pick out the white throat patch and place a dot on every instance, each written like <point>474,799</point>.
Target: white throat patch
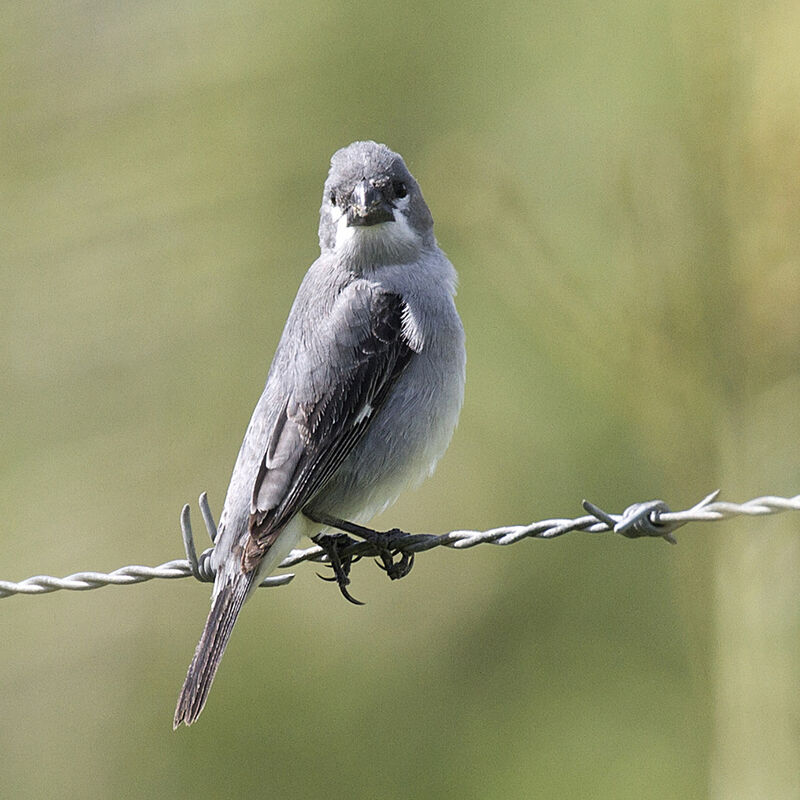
<point>392,237</point>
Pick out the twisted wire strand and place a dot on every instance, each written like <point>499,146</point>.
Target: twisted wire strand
<point>653,519</point>
<point>82,581</point>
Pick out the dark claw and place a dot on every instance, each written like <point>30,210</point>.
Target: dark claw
<point>395,569</point>
<point>340,566</point>
<point>404,565</point>
<point>348,596</point>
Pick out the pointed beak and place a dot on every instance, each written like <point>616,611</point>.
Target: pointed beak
<point>368,206</point>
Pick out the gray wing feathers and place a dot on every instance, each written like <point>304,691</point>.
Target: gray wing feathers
<point>353,369</point>
<point>283,452</point>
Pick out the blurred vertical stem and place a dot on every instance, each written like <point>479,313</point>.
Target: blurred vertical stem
<point>741,171</point>
<point>756,668</point>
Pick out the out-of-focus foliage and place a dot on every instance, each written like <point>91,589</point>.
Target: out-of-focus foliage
<point>617,185</point>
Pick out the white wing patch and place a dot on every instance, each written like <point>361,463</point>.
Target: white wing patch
<point>365,412</point>
<point>412,332</point>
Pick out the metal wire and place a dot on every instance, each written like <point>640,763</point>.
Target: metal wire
<point>652,518</point>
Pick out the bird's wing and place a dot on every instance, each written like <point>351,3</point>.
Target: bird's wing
<point>318,426</point>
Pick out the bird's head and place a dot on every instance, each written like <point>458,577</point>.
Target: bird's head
<point>372,208</point>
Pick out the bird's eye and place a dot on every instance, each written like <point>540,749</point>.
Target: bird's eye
<point>400,189</point>
<point>332,198</point>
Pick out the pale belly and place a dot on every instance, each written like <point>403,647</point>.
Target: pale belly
<point>402,445</point>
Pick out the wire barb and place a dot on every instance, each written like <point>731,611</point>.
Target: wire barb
<point>653,519</point>
<point>640,519</point>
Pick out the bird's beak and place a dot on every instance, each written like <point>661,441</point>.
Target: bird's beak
<point>368,206</point>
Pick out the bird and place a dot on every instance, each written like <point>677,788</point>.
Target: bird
<point>361,399</point>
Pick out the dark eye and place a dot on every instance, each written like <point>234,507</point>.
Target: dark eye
<point>400,189</point>
<point>332,198</point>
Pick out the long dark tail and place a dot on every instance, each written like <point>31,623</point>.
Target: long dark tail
<point>225,609</point>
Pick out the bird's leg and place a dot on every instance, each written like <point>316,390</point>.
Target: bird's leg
<point>332,544</point>
<point>385,542</point>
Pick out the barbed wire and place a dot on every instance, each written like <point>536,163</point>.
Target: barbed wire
<point>653,519</point>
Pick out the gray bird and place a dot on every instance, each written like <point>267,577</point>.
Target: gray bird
<point>362,397</point>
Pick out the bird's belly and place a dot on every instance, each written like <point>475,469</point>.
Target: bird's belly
<point>400,448</point>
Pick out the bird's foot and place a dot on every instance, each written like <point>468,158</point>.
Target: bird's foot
<point>388,544</point>
<point>332,545</point>
<point>394,557</point>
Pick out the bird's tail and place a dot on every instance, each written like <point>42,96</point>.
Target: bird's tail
<point>225,608</point>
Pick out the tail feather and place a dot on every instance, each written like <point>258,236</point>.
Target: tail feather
<point>225,608</point>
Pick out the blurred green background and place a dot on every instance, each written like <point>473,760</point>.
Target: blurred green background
<point>617,184</point>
